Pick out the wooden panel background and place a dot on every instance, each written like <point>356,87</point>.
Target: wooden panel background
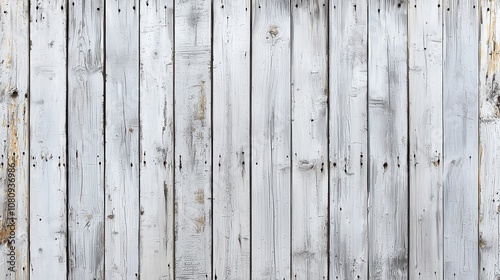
<point>287,139</point>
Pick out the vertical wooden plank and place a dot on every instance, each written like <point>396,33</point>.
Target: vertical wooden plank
<point>425,58</point>
<point>387,130</point>
<point>271,140</point>
<point>14,165</point>
<point>489,129</point>
<point>231,139</point>
<point>122,140</point>
<point>193,151</point>
<point>348,139</point>
<point>86,139</point>
<point>48,140</point>
<point>460,128</point>
<point>309,139</point>
<point>157,142</point>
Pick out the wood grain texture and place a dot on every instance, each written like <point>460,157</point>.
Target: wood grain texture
<point>193,151</point>
<point>460,129</point>
<point>309,139</point>
<point>271,140</point>
<point>231,139</point>
<point>348,139</point>
<point>489,130</point>
<point>156,140</point>
<point>388,130</point>
<point>48,138</point>
<point>122,140</point>
<point>425,61</point>
<point>86,140</point>
<point>14,158</point>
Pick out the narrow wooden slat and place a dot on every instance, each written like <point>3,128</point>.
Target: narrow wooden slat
<point>193,151</point>
<point>460,129</point>
<point>122,140</point>
<point>489,128</point>
<point>348,139</point>
<point>309,139</point>
<point>387,130</point>
<point>425,59</point>
<point>48,224</point>
<point>271,140</point>
<point>86,140</point>
<point>157,142</point>
<point>231,139</point>
<point>14,161</point>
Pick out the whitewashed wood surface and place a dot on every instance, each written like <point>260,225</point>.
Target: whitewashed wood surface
<point>86,140</point>
<point>348,125</point>
<point>489,128</point>
<point>48,206</point>
<point>14,153</point>
<point>387,143</point>
<point>425,47</point>
<point>271,140</point>
<point>287,139</point>
<point>121,125</point>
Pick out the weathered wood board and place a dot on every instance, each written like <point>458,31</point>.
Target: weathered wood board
<point>86,140</point>
<point>489,147</point>
<point>309,76</point>
<point>156,140</point>
<point>48,140</point>
<point>348,154</point>
<point>14,153</point>
<point>121,205</point>
<point>231,139</point>
<point>193,145</point>
<point>425,85</point>
<point>271,140</point>
<point>460,139</point>
<point>388,139</point>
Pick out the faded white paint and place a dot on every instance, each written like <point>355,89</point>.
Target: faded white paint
<point>121,140</point>
<point>271,139</point>
<point>489,156</point>
<point>193,150</point>
<point>14,154</point>
<point>348,162</point>
<point>250,139</point>
<point>387,144</point>
<point>425,62</point>
<point>156,140</point>
<point>231,139</point>
<point>48,228</point>
<point>309,72</point>
<point>460,139</point>
<point>86,140</point>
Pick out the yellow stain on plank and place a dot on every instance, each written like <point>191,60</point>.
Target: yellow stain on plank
<point>492,43</point>
<point>202,102</point>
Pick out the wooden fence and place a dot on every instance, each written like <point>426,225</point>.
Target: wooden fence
<point>216,139</point>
